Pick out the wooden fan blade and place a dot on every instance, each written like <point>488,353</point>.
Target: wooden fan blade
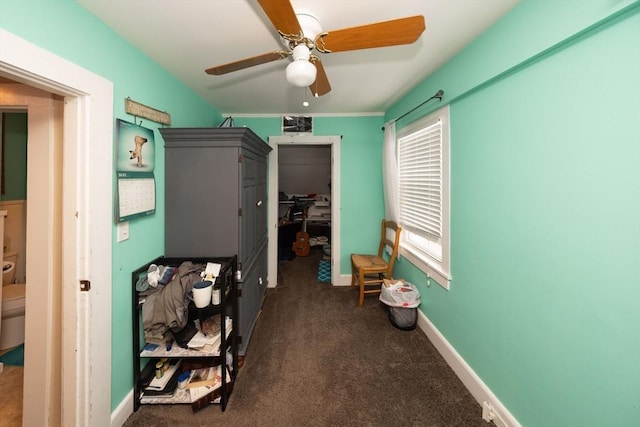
<point>380,34</point>
<point>246,63</point>
<point>321,86</point>
<point>282,16</point>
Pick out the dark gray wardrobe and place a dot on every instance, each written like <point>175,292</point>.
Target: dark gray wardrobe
<point>216,206</point>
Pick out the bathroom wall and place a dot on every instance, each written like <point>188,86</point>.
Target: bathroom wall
<point>14,165</point>
<point>14,192</point>
<point>15,233</point>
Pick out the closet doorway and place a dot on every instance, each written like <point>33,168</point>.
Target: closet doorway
<point>315,146</point>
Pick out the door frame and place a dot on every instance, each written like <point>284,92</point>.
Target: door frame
<point>274,142</point>
<point>85,223</point>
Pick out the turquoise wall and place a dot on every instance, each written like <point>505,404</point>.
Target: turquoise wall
<point>15,156</point>
<point>69,31</point>
<point>544,303</point>
<point>360,175</point>
<point>544,306</point>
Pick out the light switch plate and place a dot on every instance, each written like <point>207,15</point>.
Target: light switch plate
<point>123,231</point>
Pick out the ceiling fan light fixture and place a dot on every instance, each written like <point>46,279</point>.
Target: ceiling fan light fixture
<point>301,72</point>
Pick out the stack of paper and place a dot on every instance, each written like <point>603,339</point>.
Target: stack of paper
<point>209,344</point>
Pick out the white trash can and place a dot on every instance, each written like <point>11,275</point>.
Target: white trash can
<point>403,299</point>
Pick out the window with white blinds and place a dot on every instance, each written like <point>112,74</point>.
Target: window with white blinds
<point>420,181</point>
<point>423,193</point>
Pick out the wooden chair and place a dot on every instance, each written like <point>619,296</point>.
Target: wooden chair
<point>369,270</point>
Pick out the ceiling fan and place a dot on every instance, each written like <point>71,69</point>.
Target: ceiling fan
<point>302,35</point>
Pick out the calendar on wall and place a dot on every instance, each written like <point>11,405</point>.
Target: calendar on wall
<point>136,196</point>
<point>136,185</point>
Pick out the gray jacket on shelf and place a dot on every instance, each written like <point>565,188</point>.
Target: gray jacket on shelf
<point>167,309</point>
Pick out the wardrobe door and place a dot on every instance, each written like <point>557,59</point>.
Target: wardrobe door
<point>201,201</point>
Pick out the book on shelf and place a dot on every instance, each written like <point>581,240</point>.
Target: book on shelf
<point>151,347</point>
<point>205,377</point>
<point>160,383</point>
<point>166,384</point>
<point>167,392</point>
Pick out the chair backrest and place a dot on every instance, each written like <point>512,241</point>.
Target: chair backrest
<point>390,228</point>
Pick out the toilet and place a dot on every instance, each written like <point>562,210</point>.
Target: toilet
<point>13,300</point>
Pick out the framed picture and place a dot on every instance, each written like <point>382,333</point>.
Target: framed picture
<point>297,124</point>
<point>136,147</point>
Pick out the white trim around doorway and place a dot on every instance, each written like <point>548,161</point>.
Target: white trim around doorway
<point>84,356</point>
<point>334,142</point>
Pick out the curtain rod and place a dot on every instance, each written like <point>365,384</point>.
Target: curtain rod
<point>438,95</point>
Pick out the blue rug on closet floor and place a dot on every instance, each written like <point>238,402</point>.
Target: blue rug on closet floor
<point>14,357</point>
<point>324,270</point>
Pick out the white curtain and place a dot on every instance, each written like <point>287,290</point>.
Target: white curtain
<point>390,172</point>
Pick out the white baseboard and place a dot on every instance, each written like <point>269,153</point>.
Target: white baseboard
<point>492,408</point>
<point>123,411</point>
<point>343,280</point>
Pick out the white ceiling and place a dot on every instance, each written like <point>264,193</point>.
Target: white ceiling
<point>188,36</point>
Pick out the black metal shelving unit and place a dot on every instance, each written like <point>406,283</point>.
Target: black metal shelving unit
<point>144,360</point>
